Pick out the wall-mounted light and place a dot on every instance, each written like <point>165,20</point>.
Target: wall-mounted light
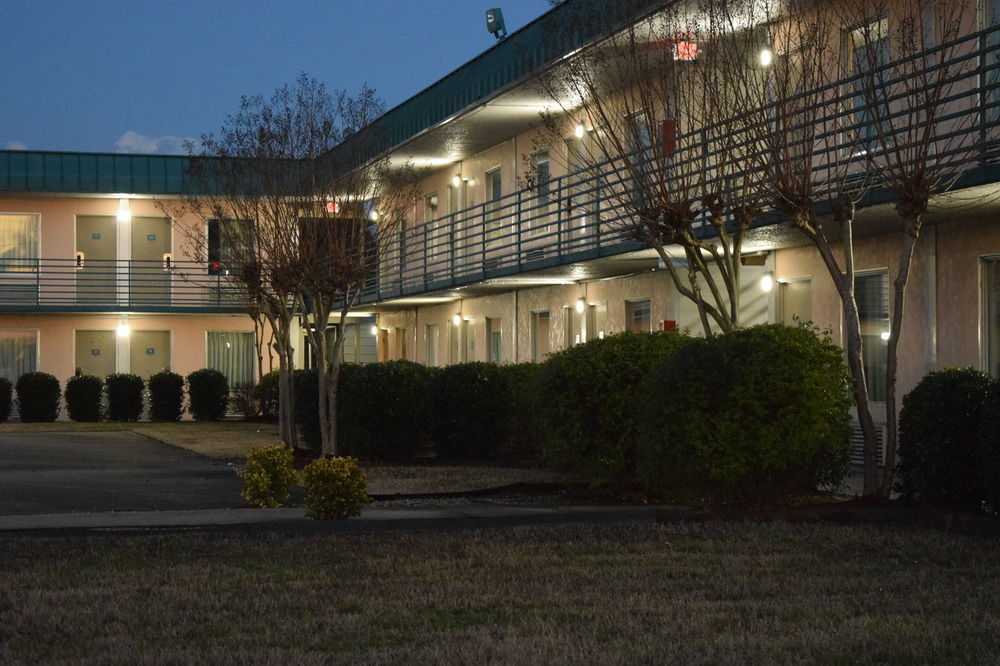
<point>885,336</point>
<point>457,320</point>
<point>124,330</point>
<point>579,131</point>
<point>124,211</point>
<point>767,283</point>
<point>456,181</point>
<point>374,330</point>
<point>581,305</point>
<point>373,216</point>
<point>765,57</point>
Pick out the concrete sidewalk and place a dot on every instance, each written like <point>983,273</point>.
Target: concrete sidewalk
<point>418,517</point>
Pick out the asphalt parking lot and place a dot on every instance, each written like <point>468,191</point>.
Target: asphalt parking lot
<point>44,473</point>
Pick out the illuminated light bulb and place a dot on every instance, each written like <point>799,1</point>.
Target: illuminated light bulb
<point>456,320</point>
<point>456,181</point>
<point>885,336</point>
<point>124,212</point>
<point>579,131</point>
<point>580,305</point>
<point>766,283</point>
<point>374,330</point>
<point>766,57</point>
<point>124,330</point>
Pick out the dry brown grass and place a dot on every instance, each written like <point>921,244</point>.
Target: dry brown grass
<point>631,593</point>
<point>407,479</point>
<point>223,440</point>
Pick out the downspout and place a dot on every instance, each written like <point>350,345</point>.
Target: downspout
<point>516,329</point>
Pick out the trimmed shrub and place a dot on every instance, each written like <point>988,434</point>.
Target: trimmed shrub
<point>208,394</point>
<point>469,411</point>
<point>335,488</point>
<point>83,398</point>
<point>166,396</point>
<point>124,397</point>
<point>38,397</point>
<point>755,414</point>
<point>266,395</point>
<point>307,408</point>
<point>382,410</point>
<point>523,436</point>
<point>939,428</point>
<point>268,475</point>
<point>6,398</point>
<point>989,448</point>
<point>588,404</point>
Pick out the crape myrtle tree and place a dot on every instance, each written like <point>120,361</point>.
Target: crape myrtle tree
<point>860,96</point>
<point>659,147</point>
<point>286,221</point>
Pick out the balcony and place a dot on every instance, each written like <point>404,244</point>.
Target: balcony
<point>578,217</point>
<point>109,286</point>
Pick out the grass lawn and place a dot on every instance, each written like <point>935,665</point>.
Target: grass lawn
<point>630,593</point>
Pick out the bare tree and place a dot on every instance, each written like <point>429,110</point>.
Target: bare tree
<point>659,138</point>
<point>285,221</point>
<point>853,101</point>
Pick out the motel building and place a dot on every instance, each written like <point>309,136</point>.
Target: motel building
<point>509,254</point>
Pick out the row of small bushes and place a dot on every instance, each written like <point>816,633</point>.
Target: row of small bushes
<point>335,487</point>
<point>949,441</point>
<point>755,413</point>
<point>118,397</point>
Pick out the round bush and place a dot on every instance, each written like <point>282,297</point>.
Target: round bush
<point>268,475</point>
<point>6,391</point>
<point>208,394</point>
<point>939,427</point>
<point>588,404</point>
<point>307,408</point>
<point>989,448</point>
<point>125,397</point>
<point>266,395</point>
<point>382,410</point>
<point>755,414</point>
<point>469,411</point>
<point>83,398</point>
<point>335,488</point>
<point>38,397</point>
<point>166,396</point>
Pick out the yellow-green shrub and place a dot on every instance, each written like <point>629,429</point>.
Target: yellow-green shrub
<point>268,475</point>
<point>335,488</point>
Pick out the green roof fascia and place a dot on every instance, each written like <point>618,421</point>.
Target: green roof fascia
<point>564,29</point>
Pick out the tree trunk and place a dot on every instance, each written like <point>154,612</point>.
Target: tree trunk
<point>286,384</point>
<point>912,234</point>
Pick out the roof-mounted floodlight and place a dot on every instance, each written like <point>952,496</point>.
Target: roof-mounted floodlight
<point>495,24</point>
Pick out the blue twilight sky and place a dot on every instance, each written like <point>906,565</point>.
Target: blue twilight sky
<point>142,75</point>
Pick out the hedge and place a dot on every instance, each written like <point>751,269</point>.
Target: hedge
<point>124,397</point>
<point>166,396</point>
<point>208,394</point>
<point>38,397</point>
<point>755,414</point>
<point>83,398</point>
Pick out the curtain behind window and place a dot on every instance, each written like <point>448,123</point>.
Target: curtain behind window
<point>232,353</point>
<point>18,242</point>
<point>18,354</point>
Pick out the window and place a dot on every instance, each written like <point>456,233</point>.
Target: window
<point>18,242</point>
<point>232,353</point>
<point>597,320</point>
<point>309,355</point>
<point>866,50</point>
<point>401,344</point>
<point>493,194</point>
<point>18,353</point>
<point>795,301</point>
<point>991,315</point>
<point>494,339</point>
<point>637,315</point>
<point>539,335</point>
<point>572,323</point>
<point>432,344</point>
<point>359,343</point>
<point>872,294</point>
<point>223,237</point>
<point>639,164</point>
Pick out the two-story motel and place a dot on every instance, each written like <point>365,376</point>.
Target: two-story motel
<point>94,277</point>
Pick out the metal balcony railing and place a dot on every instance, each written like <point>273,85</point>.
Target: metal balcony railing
<point>96,285</point>
<point>579,216</point>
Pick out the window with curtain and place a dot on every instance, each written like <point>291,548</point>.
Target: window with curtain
<point>872,294</point>
<point>18,353</point>
<point>18,242</point>
<point>866,49</point>
<point>991,315</point>
<point>232,354</point>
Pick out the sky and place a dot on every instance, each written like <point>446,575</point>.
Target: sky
<point>144,75</point>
